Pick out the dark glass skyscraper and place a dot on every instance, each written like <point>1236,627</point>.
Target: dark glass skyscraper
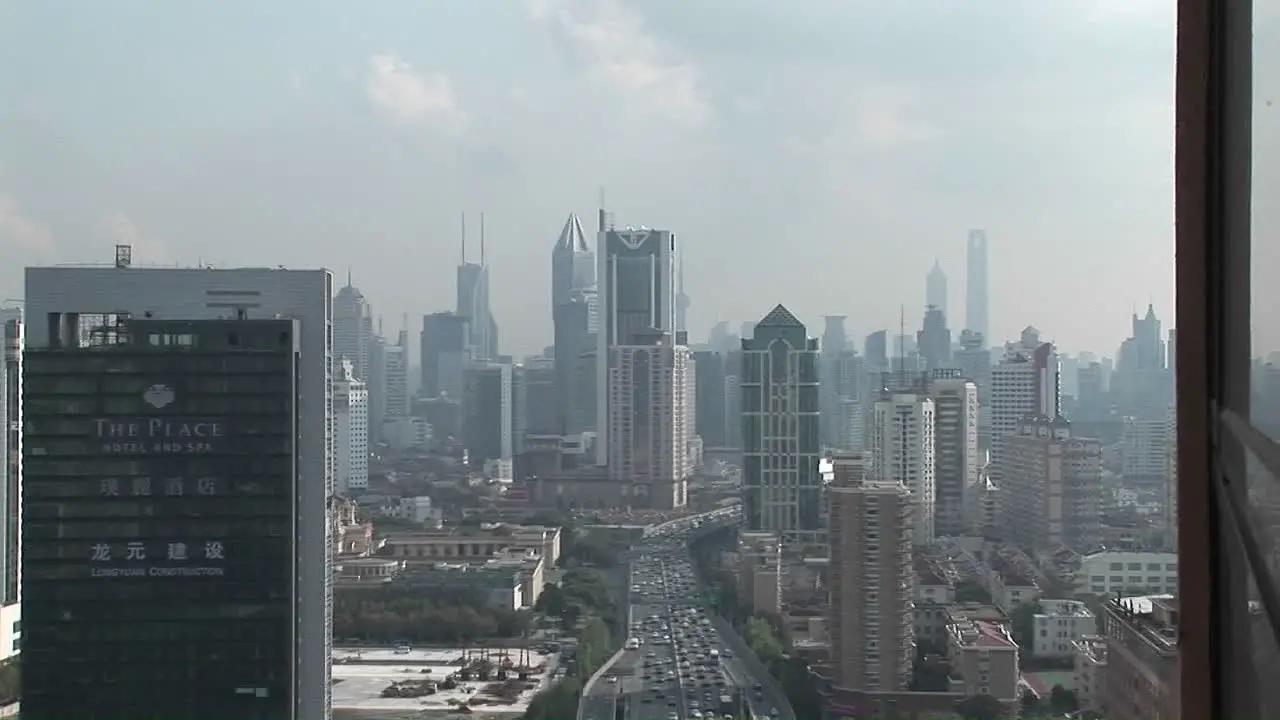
<point>160,520</point>
<point>781,434</point>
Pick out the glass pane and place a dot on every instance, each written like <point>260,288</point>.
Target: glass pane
<point>1265,217</point>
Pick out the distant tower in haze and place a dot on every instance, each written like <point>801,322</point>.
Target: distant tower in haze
<point>975,310</point>
<point>682,300</point>
<point>573,283</point>
<point>935,289</point>
<point>473,301</point>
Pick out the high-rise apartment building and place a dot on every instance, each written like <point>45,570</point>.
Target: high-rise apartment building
<point>870,577</point>
<point>975,307</point>
<point>351,423</point>
<point>573,296</point>
<point>781,429</point>
<point>1025,383</point>
<point>957,460</point>
<point>935,289</point>
<point>203,403</point>
<point>651,392</point>
<point>11,332</point>
<point>1052,490</point>
<point>636,276</point>
<point>902,447</point>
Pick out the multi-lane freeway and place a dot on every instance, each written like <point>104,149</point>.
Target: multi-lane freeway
<point>677,663</point>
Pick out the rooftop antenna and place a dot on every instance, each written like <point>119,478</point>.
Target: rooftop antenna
<point>348,276</point>
<point>464,238</point>
<point>482,239</point>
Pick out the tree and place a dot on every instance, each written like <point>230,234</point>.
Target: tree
<point>980,707</point>
<point>970,591</point>
<point>1063,700</point>
<point>1022,624</point>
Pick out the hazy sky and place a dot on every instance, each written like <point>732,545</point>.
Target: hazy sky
<point>819,153</point>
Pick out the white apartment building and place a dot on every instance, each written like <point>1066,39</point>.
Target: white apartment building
<point>1111,572</point>
<point>648,432</point>
<point>1025,383</point>
<point>1089,667</point>
<point>957,461</point>
<point>351,428</point>
<point>95,292</point>
<point>395,394</point>
<point>1059,625</point>
<point>902,446</point>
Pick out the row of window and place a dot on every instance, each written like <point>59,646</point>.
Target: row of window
<point>127,490</point>
<point>102,427</point>
<point>230,592</point>
<point>41,364</point>
<point>184,385</point>
<point>92,508</point>
<point>37,532</point>
<point>211,404</point>
<point>1151,567</point>
<point>40,468</point>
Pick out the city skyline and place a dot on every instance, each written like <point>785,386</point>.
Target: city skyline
<point>359,141</point>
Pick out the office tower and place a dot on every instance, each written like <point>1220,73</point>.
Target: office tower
<point>573,282</point>
<point>844,393</point>
<point>376,387</point>
<point>934,339</point>
<point>1025,383</point>
<point>1144,349</point>
<point>396,379</point>
<point>72,302</point>
<point>902,447</point>
<point>935,289</point>
<point>1171,352</point>
<point>1146,444</point>
<point>733,366</point>
<point>443,354</point>
<point>876,349</point>
<point>488,408</point>
<point>1053,486</point>
<point>278,439</point>
<point>351,422</point>
<point>473,302</point>
<point>352,329</point>
<point>11,331</point>
<point>710,401</point>
<point>834,340</point>
<point>535,382</point>
<point>957,461</point>
<point>974,362</point>
<point>975,307</point>
<point>650,389</point>
<point>870,577</point>
<point>682,299</point>
<point>582,418</point>
<point>781,433</point>
<point>636,276</point>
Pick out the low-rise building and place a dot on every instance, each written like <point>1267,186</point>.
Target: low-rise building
<point>983,659</point>
<point>934,595</point>
<point>472,543</point>
<point>1089,667</point>
<point>418,509</point>
<point>500,585</point>
<point>1008,585</point>
<point>1121,572</point>
<point>1058,625</point>
<point>759,571</point>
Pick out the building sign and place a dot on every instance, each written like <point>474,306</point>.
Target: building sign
<point>159,435</point>
<point>157,560</point>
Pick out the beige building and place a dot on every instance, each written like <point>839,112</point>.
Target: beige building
<point>650,395</point>
<point>1089,668</point>
<point>1051,493</point>
<point>760,571</point>
<point>983,658</point>
<point>473,543</point>
<point>871,578</point>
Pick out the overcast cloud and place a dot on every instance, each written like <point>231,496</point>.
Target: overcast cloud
<point>820,154</point>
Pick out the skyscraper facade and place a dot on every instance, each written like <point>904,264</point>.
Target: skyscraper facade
<point>488,407</point>
<point>935,289</point>
<point>351,422</point>
<point>636,275</point>
<point>473,303</point>
<point>934,339</point>
<point>651,394</point>
<point>11,332</point>
<point>1025,383</point>
<point>957,461</point>
<point>187,419</point>
<point>975,308</point>
<point>444,354</point>
<point>781,429</point>
<point>352,329</point>
<point>573,282</point>
<point>871,579</point>
<point>902,446</point>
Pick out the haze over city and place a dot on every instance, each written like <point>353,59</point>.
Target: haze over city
<point>802,153</point>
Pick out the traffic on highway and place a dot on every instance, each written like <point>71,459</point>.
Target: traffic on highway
<point>674,665</point>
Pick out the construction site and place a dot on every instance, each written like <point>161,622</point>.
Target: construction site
<point>437,683</point>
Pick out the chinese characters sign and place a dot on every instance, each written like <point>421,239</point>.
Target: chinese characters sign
<point>159,435</point>
<point>172,559</point>
<point>166,487</point>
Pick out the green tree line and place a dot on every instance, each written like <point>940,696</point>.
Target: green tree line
<point>390,615</point>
